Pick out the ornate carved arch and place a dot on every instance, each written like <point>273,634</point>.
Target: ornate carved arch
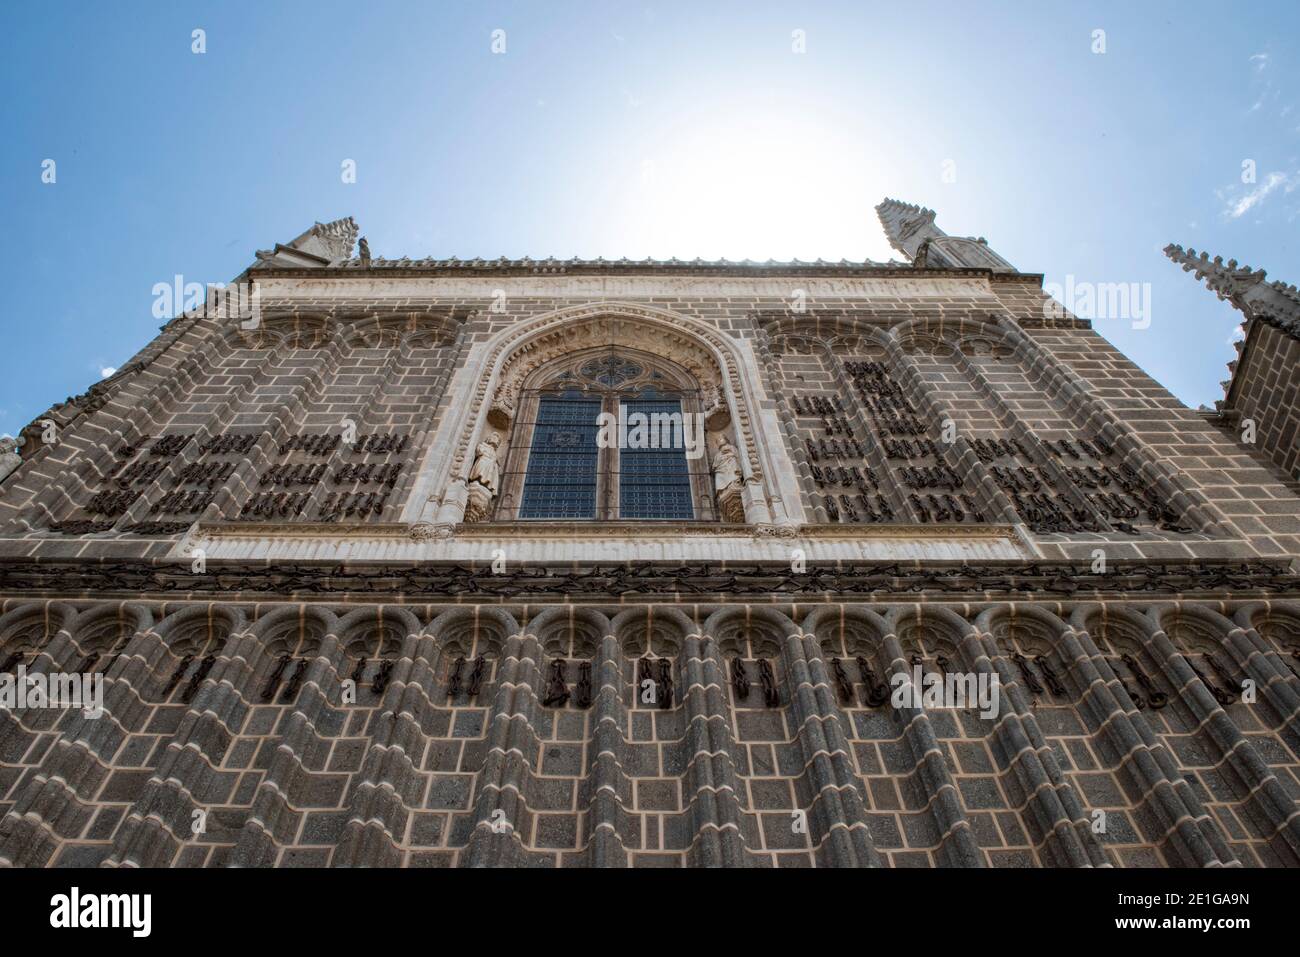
<point>597,332</point>
<point>711,357</point>
<point>656,627</point>
<point>839,333</point>
<point>409,330</point>
<point>702,351</point>
<point>29,628</point>
<point>944,337</point>
<point>290,331</point>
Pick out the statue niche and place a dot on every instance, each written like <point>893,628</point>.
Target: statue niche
<point>727,482</point>
<point>484,479</point>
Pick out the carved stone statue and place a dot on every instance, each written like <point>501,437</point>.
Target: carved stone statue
<point>484,479</point>
<point>727,482</point>
<point>9,458</point>
<point>364,250</point>
<point>486,471</point>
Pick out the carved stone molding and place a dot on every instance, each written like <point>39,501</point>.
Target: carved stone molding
<point>731,505</point>
<point>428,532</point>
<point>593,332</point>
<point>776,531</point>
<point>708,354</point>
<point>410,330</point>
<point>667,582</point>
<point>478,502</point>
<point>632,530</point>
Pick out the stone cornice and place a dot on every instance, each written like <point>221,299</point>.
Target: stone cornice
<point>600,531</point>
<point>605,582</point>
<point>443,268</point>
<point>530,543</point>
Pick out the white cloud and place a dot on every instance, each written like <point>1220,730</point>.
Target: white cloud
<point>1244,204</point>
<point>1260,60</point>
<point>107,371</point>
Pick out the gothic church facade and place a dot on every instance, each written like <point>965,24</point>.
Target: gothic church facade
<point>365,585</point>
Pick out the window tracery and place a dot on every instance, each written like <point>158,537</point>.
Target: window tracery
<point>608,434</point>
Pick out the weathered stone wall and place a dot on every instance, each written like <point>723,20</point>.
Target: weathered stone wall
<point>241,711</point>
<point>979,355</point>
<point>1266,389</point>
<point>927,433</point>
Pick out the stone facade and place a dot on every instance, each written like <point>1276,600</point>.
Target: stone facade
<point>325,631</point>
<point>1267,391</point>
<point>1261,399</point>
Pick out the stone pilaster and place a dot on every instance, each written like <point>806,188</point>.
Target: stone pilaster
<point>836,812</point>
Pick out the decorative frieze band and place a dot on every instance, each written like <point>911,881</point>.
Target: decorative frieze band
<point>438,581</point>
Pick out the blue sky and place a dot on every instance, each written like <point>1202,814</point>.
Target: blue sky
<point>639,129</point>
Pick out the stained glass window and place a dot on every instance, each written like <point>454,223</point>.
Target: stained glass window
<point>655,482</point>
<point>566,464</point>
<point>562,460</point>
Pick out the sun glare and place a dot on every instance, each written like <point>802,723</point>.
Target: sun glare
<point>756,190</point>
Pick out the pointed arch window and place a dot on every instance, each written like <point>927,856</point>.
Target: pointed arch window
<point>559,466</point>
